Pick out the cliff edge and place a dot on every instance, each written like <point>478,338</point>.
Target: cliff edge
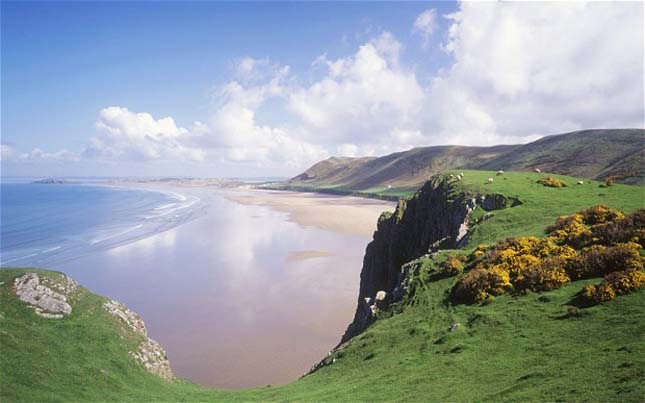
<point>436,217</point>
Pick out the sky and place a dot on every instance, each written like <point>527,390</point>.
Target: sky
<point>266,89</point>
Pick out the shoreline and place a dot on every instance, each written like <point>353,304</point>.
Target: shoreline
<point>282,264</point>
<point>343,214</point>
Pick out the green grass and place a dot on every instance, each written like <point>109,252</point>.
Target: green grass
<point>541,205</point>
<point>513,349</point>
<point>518,349</point>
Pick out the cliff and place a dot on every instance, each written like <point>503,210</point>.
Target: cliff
<point>437,217</point>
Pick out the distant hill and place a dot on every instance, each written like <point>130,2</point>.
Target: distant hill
<point>594,154</point>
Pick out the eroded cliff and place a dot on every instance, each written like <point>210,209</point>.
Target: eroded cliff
<point>438,216</point>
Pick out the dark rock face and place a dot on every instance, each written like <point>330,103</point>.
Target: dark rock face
<point>436,217</point>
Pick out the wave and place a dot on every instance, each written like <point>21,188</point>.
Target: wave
<point>87,220</point>
<point>31,255</point>
<point>95,241</point>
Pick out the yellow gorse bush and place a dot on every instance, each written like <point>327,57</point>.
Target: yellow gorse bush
<point>552,182</point>
<point>590,243</point>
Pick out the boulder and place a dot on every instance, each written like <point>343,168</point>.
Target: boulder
<point>45,301</point>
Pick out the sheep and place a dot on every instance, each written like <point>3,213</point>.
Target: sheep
<point>458,177</point>
<point>580,183</point>
<point>452,176</point>
<point>461,174</point>
<point>500,172</point>
<point>538,170</point>
<point>490,180</point>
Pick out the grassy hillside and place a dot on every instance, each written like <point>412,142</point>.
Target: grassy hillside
<point>517,348</point>
<point>541,205</point>
<point>595,154</point>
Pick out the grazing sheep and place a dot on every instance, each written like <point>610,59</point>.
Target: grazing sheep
<point>500,172</point>
<point>538,170</point>
<point>490,180</point>
<point>580,183</point>
<point>452,176</point>
<point>458,177</point>
<point>461,174</point>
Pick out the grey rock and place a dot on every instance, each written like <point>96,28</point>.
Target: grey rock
<point>45,301</point>
<point>150,354</point>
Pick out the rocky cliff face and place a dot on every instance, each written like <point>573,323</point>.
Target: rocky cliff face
<point>437,217</point>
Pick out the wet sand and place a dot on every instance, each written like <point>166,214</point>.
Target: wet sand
<point>247,294</point>
<point>343,214</point>
<point>296,256</point>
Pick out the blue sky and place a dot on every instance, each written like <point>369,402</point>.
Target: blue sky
<point>309,79</point>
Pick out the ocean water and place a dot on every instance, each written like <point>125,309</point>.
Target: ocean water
<point>230,293</point>
<point>46,224</point>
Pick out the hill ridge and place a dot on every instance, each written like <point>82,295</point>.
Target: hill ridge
<point>591,153</point>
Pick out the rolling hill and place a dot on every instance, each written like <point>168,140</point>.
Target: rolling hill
<point>595,154</point>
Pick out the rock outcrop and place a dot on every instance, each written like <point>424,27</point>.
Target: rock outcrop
<point>38,293</point>
<point>149,353</point>
<point>437,217</point>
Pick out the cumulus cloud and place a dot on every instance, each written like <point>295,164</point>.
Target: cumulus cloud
<point>527,69</point>
<point>515,71</point>
<point>363,99</point>
<point>127,135</point>
<point>425,25</point>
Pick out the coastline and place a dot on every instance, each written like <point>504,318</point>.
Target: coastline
<point>254,263</point>
<point>344,214</point>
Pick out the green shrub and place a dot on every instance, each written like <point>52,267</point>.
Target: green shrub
<point>598,260</point>
<point>616,283</point>
<point>594,242</point>
<point>552,182</point>
<point>480,284</point>
<point>452,266</point>
<point>628,229</point>
<point>547,275</point>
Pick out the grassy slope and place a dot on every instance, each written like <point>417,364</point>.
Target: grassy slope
<point>513,349</point>
<point>595,154</point>
<point>541,205</point>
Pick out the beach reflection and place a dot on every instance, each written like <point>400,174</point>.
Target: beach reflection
<point>223,297</point>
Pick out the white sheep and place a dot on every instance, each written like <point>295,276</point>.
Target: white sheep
<point>580,183</point>
<point>452,176</point>
<point>538,170</point>
<point>490,180</point>
<point>461,174</point>
<point>500,172</point>
<point>458,177</point>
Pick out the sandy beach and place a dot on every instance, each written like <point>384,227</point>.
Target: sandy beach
<point>254,291</point>
<point>344,214</point>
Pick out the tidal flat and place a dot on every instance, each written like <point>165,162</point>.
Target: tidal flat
<point>236,296</point>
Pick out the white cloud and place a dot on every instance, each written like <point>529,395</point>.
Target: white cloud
<point>10,154</point>
<point>515,71</point>
<point>364,99</point>
<point>425,25</point>
<point>522,69</point>
<point>233,133</point>
<point>7,152</point>
<point>127,135</point>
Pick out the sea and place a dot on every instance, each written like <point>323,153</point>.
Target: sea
<point>46,224</point>
<point>238,295</point>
